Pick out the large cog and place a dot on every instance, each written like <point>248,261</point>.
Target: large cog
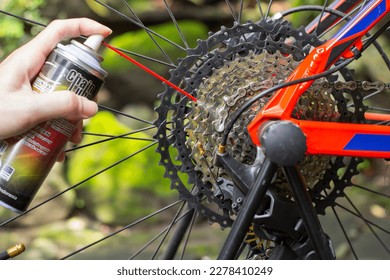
<point>222,72</point>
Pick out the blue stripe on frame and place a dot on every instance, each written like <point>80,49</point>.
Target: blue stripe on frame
<point>367,20</point>
<point>369,142</point>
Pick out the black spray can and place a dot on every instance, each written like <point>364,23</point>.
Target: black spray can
<point>26,160</point>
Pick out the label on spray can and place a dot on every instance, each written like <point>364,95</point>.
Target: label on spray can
<point>27,159</point>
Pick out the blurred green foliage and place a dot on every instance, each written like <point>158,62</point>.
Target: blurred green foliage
<point>140,6</point>
<point>140,42</point>
<point>303,18</point>
<point>122,191</point>
<point>13,31</point>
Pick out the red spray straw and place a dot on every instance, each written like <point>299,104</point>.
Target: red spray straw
<point>151,72</point>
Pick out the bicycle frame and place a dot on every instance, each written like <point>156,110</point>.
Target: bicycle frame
<point>326,20</point>
<point>330,138</point>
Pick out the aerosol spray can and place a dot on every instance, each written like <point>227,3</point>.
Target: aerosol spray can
<point>26,160</point>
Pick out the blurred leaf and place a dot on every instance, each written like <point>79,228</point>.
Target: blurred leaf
<point>140,42</point>
<point>12,31</point>
<point>115,195</point>
<point>11,28</point>
<point>300,18</point>
<point>97,8</point>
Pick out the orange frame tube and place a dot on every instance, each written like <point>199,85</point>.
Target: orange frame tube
<point>344,139</point>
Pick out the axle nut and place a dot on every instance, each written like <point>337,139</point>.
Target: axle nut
<point>283,142</point>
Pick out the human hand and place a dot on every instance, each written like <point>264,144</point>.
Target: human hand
<point>20,109</point>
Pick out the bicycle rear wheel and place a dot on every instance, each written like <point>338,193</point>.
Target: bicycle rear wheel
<point>222,71</point>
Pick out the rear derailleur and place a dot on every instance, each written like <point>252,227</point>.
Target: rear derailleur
<point>288,221</point>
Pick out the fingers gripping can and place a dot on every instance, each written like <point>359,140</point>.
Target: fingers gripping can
<point>26,160</point>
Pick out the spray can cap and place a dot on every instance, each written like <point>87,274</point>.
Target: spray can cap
<point>94,42</point>
<point>86,53</point>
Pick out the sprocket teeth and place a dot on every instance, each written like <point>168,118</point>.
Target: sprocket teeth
<point>222,67</point>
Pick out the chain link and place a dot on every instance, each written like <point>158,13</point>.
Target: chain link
<point>378,86</point>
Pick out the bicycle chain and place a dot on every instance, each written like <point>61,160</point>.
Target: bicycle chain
<point>226,90</point>
<point>210,54</point>
<point>187,135</point>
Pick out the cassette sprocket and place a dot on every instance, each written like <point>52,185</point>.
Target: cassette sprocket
<point>222,72</point>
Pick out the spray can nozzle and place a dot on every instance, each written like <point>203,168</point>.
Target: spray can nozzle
<point>94,42</point>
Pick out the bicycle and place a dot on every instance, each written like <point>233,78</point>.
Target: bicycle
<point>292,89</point>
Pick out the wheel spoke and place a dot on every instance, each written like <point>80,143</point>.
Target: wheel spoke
<point>372,191</point>
<point>372,94</point>
<point>123,229</point>
<point>33,22</point>
<point>110,138</point>
<point>141,25</point>
<point>230,6</point>
<point>176,24</point>
<point>147,31</point>
<point>384,110</point>
<point>269,9</point>
<point>26,20</point>
<point>345,17</point>
<point>171,65</point>
<point>241,11</point>
<point>364,3</point>
<point>344,233</point>
<point>367,224</point>
<point>260,8</point>
<point>165,231</point>
<point>77,185</point>
<point>109,135</point>
<point>188,235</point>
<point>151,241</point>
<point>363,219</point>
<point>123,114</point>
<point>383,123</point>
<point>321,17</point>
<point>168,229</point>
